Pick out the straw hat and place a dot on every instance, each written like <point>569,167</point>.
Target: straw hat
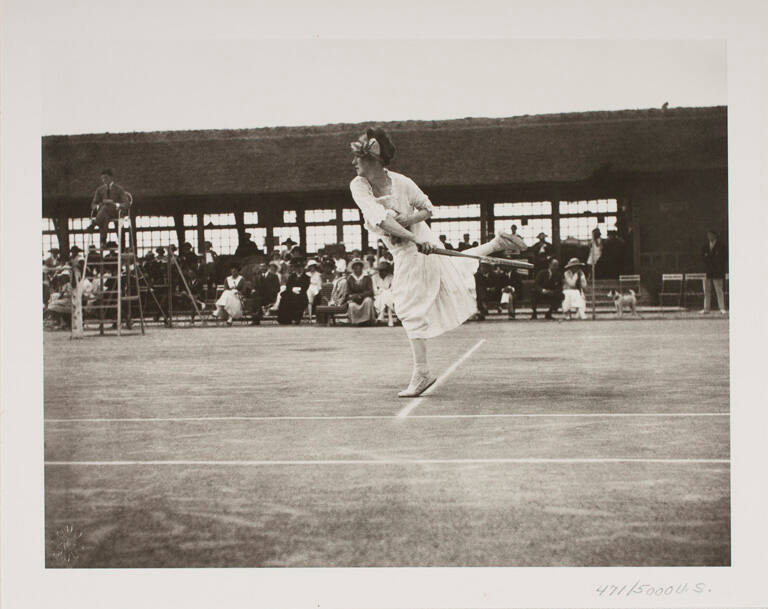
<point>573,262</point>
<point>311,262</point>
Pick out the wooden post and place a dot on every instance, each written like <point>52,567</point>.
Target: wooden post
<point>594,305</point>
<point>76,294</point>
<point>339,224</point>
<point>170,289</point>
<point>556,228</point>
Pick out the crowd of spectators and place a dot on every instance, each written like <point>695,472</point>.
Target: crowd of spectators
<point>289,285</point>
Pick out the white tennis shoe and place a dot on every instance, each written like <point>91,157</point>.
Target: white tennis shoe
<point>417,386</point>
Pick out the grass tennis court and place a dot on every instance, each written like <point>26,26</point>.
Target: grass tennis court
<point>549,444</point>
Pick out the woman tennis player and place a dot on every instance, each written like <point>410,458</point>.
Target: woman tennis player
<point>432,294</point>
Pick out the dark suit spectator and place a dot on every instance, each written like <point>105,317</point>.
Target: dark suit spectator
<point>548,289</point>
<point>293,300</point>
<point>446,244</point>
<point>107,200</point>
<point>465,244</point>
<point>188,258</point>
<point>714,255</point>
<point>482,283</point>
<point>246,247</point>
<point>542,252</point>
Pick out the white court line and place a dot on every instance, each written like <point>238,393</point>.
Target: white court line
<point>416,401</point>
<point>520,461</point>
<point>387,416</point>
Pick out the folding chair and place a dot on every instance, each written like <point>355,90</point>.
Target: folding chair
<point>698,280</point>
<point>629,282</point>
<point>672,287</point>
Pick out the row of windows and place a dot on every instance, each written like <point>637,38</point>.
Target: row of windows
<point>453,221</point>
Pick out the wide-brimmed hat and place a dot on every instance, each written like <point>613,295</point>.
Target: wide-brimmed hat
<point>289,241</point>
<point>355,261</point>
<point>74,248</point>
<point>311,262</point>
<point>573,262</point>
<point>542,234</point>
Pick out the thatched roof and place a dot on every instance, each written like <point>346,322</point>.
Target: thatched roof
<point>520,150</point>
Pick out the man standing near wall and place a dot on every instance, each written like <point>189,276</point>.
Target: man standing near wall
<point>107,200</point>
<point>714,257</point>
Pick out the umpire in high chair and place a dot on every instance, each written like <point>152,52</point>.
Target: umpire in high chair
<point>107,200</point>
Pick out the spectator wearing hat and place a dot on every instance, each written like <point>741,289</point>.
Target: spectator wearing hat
<point>714,255</point>
<point>188,258</point>
<point>548,289</point>
<point>359,295</point>
<point>229,306</point>
<point>59,306</point>
<point>312,270</point>
<point>574,283</point>
<point>108,199</point>
<point>246,247</point>
<point>53,260</point>
<point>542,252</point>
<point>75,255</point>
<point>383,300</point>
<point>270,285</point>
<point>293,299</point>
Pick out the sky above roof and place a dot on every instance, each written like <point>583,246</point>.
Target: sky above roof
<point>175,85</point>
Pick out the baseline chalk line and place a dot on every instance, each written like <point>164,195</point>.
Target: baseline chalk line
<point>521,415</point>
<point>416,401</point>
<point>520,461</point>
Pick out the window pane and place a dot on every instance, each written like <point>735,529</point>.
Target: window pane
<point>529,231</point>
<point>48,224</point>
<point>454,230</point>
<point>251,217</point>
<point>223,240</point>
<point>190,219</point>
<point>190,236</point>
<point>289,216</point>
<point>522,209</point>
<point>456,211</point>
<point>353,239</point>
<point>319,215</point>
<point>351,215</point>
<point>284,232</point>
<point>219,220</point>
<point>258,236</point>
<point>319,236</point>
<point>50,241</point>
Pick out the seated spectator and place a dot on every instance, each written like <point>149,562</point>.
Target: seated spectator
<point>293,300</point>
<point>444,241</point>
<point>270,286</point>
<point>340,291</point>
<point>482,283</point>
<point>53,260</point>
<point>464,244</point>
<point>341,262</point>
<point>574,282</point>
<point>360,295</point>
<point>229,306</point>
<point>315,282</point>
<point>188,258</point>
<point>75,255</point>
<point>369,264</point>
<point>92,260</point>
<point>60,302</point>
<point>548,289</point>
<point>512,292</point>
<point>383,300</point>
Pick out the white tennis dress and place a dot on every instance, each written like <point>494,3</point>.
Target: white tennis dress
<point>432,293</point>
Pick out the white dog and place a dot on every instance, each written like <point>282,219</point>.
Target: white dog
<point>620,301</point>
